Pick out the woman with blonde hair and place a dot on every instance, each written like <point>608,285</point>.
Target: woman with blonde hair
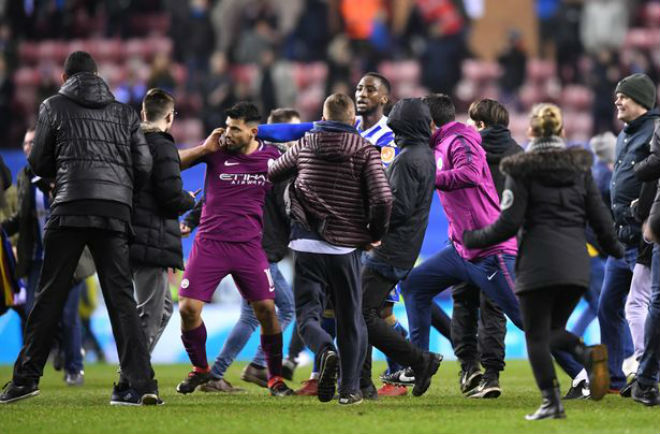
<point>551,195</point>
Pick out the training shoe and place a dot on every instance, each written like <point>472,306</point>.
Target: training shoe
<point>12,392</point>
<point>255,374</point>
<point>219,385</point>
<point>647,395</point>
<point>599,374</point>
<point>424,374</point>
<point>350,398</point>
<point>309,388</point>
<point>488,388</point>
<point>278,387</point>
<point>124,395</point>
<point>626,392</point>
<point>75,378</point>
<point>469,378</point>
<point>328,368</point>
<point>288,368</point>
<point>404,377</point>
<point>194,380</point>
<point>389,389</point>
<point>370,393</point>
<point>581,391</point>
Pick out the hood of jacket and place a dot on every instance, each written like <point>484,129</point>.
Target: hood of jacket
<point>455,128</point>
<point>410,120</point>
<point>552,167</point>
<point>497,142</point>
<point>334,141</point>
<point>88,90</point>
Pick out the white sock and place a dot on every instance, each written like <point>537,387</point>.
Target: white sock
<point>582,375</point>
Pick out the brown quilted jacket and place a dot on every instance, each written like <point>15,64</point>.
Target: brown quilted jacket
<point>340,190</point>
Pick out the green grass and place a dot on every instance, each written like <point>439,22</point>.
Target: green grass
<point>61,409</point>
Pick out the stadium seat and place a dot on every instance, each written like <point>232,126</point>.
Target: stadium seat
<point>539,70</point>
<point>28,53</point>
<point>576,97</point>
<point>26,77</point>
<point>647,38</point>
<point>480,71</point>
<point>244,73</point>
<point>651,14</point>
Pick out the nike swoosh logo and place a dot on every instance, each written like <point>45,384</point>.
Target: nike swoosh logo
<point>491,276</point>
<point>271,289</point>
<point>227,163</point>
<point>405,378</point>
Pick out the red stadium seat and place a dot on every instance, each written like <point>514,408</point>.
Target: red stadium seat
<point>105,50</point>
<point>643,38</point>
<point>480,71</point>
<point>244,73</point>
<point>651,14</point>
<point>578,125</point>
<point>539,70</point>
<point>28,52</point>
<point>576,97</point>
<point>26,77</point>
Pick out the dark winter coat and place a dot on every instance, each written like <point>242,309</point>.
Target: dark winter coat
<point>550,194</point>
<point>157,206</point>
<point>412,179</point>
<point>340,190</point>
<point>632,147</point>
<point>91,144</point>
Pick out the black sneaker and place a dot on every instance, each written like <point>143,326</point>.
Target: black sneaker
<point>469,377</point>
<point>288,368</point>
<point>194,380</point>
<point>122,394</point>
<point>12,392</point>
<point>328,368</point>
<point>278,387</point>
<point>425,373</point>
<point>404,377</point>
<point>647,395</point>
<point>370,392</point>
<point>350,398</point>
<point>626,392</point>
<point>581,391</point>
<point>488,388</point>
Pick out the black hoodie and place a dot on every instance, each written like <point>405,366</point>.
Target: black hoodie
<point>498,143</point>
<point>412,178</point>
<point>93,146</point>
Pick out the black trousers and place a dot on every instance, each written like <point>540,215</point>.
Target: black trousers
<point>441,322</point>
<point>62,250</point>
<point>478,328</point>
<point>337,277</point>
<point>545,312</point>
<point>375,289</point>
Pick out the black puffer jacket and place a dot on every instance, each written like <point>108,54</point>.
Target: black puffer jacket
<point>552,195</point>
<point>91,144</point>
<point>157,206</point>
<point>498,144</point>
<point>412,179</point>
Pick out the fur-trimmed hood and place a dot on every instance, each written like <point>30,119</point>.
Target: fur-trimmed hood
<point>549,167</point>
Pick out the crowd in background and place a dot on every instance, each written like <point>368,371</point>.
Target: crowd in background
<point>282,53</point>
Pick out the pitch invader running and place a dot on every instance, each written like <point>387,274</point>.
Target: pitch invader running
<point>229,241</point>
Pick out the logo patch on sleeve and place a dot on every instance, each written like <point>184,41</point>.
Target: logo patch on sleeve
<point>387,154</point>
<point>507,200</point>
<point>185,283</point>
<point>438,164</point>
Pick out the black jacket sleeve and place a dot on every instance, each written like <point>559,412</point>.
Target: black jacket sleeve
<point>601,221</point>
<point>142,160</point>
<point>513,209</point>
<point>42,154</point>
<point>166,178</point>
<point>649,168</point>
<point>192,218</point>
<point>5,175</point>
<point>405,187</point>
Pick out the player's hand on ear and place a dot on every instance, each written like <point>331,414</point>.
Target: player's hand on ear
<point>214,142</point>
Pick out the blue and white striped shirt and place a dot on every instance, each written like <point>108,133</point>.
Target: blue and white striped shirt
<point>382,137</point>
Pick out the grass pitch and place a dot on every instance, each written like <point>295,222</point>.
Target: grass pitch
<point>62,409</point>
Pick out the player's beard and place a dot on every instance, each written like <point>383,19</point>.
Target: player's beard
<point>367,112</point>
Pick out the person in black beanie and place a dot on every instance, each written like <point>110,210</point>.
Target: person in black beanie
<point>635,101</point>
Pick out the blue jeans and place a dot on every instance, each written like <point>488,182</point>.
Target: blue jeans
<point>248,323</point>
<point>614,331</point>
<point>591,296</point>
<point>494,275</point>
<point>72,331</point>
<point>647,374</point>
